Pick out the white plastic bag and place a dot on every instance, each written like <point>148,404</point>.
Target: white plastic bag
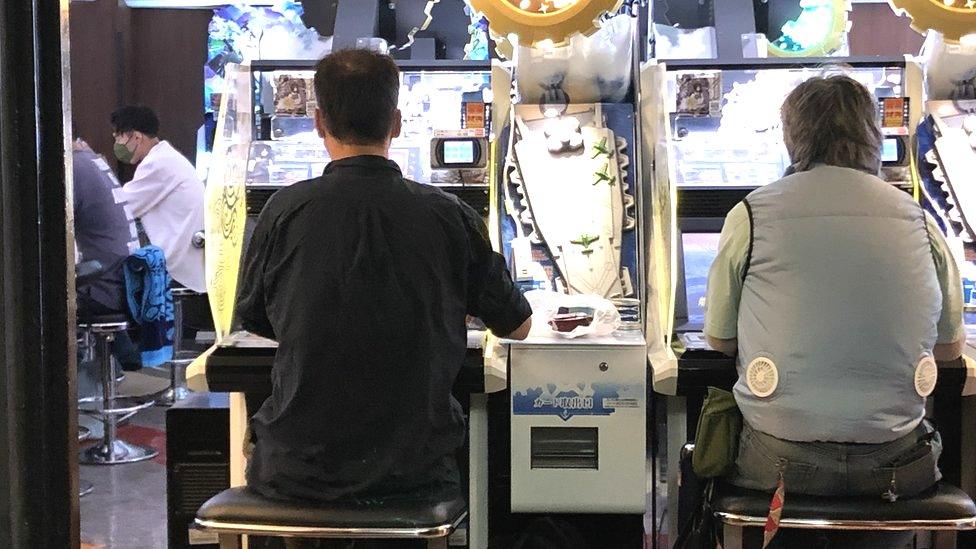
<point>950,69</point>
<point>545,305</point>
<point>591,69</point>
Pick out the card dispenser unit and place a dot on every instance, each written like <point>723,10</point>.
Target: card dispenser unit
<point>578,426</point>
<point>565,448</point>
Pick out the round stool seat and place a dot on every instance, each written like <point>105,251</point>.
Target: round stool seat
<point>83,433</point>
<point>182,292</point>
<point>104,323</point>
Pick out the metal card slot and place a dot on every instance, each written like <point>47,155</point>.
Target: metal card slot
<point>565,448</point>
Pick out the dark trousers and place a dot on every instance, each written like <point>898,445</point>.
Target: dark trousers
<point>123,349</point>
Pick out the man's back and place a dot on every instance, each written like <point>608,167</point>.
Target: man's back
<point>365,279</point>
<point>850,262</point>
<point>103,230</point>
<point>167,196</point>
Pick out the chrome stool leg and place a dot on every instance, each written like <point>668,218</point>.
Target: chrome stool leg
<point>111,450</point>
<point>177,367</point>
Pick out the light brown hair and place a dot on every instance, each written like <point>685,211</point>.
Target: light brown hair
<point>832,120</point>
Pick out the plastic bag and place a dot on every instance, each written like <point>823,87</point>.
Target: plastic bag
<point>545,305</point>
<point>591,69</point>
<point>950,69</point>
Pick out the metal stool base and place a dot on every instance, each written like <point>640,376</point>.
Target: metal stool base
<point>120,451</point>
<point>85,488</point>
<point>171,396</point>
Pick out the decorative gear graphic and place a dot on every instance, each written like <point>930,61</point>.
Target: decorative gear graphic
<point>953,18</point>
<point>536,20</point>
<point>836,24</point>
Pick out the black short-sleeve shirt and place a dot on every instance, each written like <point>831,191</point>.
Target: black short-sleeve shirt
<point>364,278</point>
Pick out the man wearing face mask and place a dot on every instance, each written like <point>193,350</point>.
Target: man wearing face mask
<point>165,193</point>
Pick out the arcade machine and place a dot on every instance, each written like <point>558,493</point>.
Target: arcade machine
<point>443,143</point>
<point>265,140</point>
<point>946,159</point>
<point>567,217</point>
<point>721,138</point>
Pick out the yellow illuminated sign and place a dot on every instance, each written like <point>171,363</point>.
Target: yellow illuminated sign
<point>535,21</point>
<point>226,209</point>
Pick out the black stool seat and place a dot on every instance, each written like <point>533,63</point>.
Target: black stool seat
<point>243,511</point>
<point>942,507</point>
<point>94,320</point>
<point>180,291</point>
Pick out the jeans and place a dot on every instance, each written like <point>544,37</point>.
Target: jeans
<point>901,468</point>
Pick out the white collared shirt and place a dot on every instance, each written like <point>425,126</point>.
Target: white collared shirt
<point>169,198</point>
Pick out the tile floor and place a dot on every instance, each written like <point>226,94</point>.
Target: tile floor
<point>127,509</point>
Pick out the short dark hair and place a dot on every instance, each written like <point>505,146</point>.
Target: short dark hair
<point>135,118</point>
<point>357,91</point>
<point>833,121</point>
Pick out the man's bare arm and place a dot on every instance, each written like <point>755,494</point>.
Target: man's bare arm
<point>725,346</point>
<point>945,352</point>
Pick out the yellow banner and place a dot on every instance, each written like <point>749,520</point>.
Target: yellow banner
<point>226,210</point>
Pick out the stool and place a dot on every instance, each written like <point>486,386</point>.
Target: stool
<point>943,510</point>
<point>239,511</point>
<point>177,367</point>
<point>110,408</point>
<point>84,487</point>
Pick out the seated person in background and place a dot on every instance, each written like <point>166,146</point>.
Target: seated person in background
<point>838,293</point>
<point>364,278</point>
<point>104,232</point>
<point>164,194</point>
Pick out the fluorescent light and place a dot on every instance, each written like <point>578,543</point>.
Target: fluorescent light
<point>190,4</point>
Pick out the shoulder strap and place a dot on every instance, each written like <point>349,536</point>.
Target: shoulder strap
<point>745,272</point>
<point>141,231</point>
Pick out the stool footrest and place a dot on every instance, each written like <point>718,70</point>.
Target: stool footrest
<point>118,406</point>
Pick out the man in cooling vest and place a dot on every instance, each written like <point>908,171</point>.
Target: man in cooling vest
<point>838,294</point>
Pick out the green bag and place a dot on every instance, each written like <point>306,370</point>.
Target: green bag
<point>717,438</point>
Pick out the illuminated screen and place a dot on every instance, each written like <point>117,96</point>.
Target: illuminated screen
<point>889,150</point>
<point>459,152</point>
<point>700,250</point>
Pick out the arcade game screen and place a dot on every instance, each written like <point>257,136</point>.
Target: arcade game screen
<point>726,128</point>
<point>436,105</point>
<point>700,250</point>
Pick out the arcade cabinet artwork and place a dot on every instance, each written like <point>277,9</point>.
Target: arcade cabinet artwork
<point>947,150</point>
<point>571,174</point>
<point>568,222</point>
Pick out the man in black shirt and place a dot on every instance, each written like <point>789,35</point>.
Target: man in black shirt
<point>365,278</point>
